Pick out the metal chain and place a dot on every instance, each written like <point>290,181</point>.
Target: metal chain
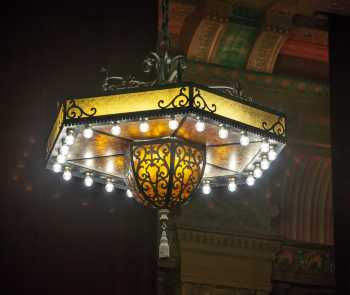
<point>164,39</point>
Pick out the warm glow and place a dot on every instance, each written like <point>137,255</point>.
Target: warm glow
<point>250,180</point>
<point>206,189</point>
<point>173,124</point>
<point>144,127</point>
<point>244,140</point>
<point>200,126</point>
<point>88,133</point>
<point>109,187</point>
<point>67,174</point>
<point>232,186</point>
<point>223,132</point>
<point>151,169</point>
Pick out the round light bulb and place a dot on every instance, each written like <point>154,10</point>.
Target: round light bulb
<point>88,132</point>
<point>88,180</point>
<point>144,126</point>
<point>69,140</point>
<point>206,189</point>
<point>244,140</point>
<point>265,164</point>
<point>200,126</point>
<point>61,159</point>
<point>265,147</point>
<point>257,171</point>
<point>223,132</point>
<point>250,180</point>
<point>57,167</point>
<point>129,193</point>
<point>272,155</point>
<point>232,186</point>
<point>116,130</point>
<point>173,124</point>
<point>67,174</point>
<point>64,150</point>
<point>109,187</point>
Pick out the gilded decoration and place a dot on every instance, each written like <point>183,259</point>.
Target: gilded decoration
<point>166,172</point>
<point>74,111</point>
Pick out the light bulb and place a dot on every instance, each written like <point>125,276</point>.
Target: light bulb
<point>265,164</point>
<point>250,180</point>
<point>206,189</point>
<point>200,126</point>
<point>272,155</point>
<point>88,132</point>
<point>116,130</point>
<point>64,150</point>
<point>109,187</point>
<point>67,174</point>
<point>232,186</point>
<point>223,132</point>
<point>257,171</point>
<point>265,147</point>
<point>69,140</point>
<point>173,124</point>
<point>144,126</point>
<point>57,167</point>
<point>129,193</point>
<point>61,159</point>
<point>244,140</point>
<point>88,180</point>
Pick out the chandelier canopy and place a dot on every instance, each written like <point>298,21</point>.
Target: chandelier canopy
<point>160,140</point>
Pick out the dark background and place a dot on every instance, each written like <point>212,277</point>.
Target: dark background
<point>340,126</point>
<point>60,238</point>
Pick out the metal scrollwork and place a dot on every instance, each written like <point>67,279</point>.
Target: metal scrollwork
<point>188,167</point>
<point>74,111</point>
<point>151,167</point>
<point>200,103</point>
<point>234,90</point>
<point>178,101</point>
<point>166,173</point>
<point>276,128</point>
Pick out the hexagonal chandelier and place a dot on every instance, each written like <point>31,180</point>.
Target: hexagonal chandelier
<point>161,140</point>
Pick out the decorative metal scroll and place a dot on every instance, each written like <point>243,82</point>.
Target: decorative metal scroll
<point>200,103</point>
<point>165,68</point>
<point>166,173</point>
<point>182,100</point>
<point>151,167</point>
<point>188,169</point>
<point>178,101</point>
<point>74,111</point>
<point>276,128</point>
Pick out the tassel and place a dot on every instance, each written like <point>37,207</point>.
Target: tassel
<point>164,250</point>
<point>164,246</point>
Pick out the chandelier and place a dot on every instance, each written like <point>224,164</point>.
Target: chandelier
<point>161,140</point>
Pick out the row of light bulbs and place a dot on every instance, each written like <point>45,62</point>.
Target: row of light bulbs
<point>269,155</point>
<point>173,125</point>
<point>89,181</point>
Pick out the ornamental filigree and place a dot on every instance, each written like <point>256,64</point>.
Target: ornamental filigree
<point>276,128</point>
<point>180,100</point>
<point>74,111</point>
<point>151,166</point>
<point>165,173</point>
<point>200,103</point>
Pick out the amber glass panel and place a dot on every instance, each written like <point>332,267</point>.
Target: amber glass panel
<point>97,146</point>
<point>188,166</point>
<point>114,165</point>
<point>233,157</point>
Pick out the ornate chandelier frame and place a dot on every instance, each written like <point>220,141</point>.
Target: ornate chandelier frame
<point>160,140</point>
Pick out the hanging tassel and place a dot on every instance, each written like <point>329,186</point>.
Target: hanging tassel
<point>164,250</point>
